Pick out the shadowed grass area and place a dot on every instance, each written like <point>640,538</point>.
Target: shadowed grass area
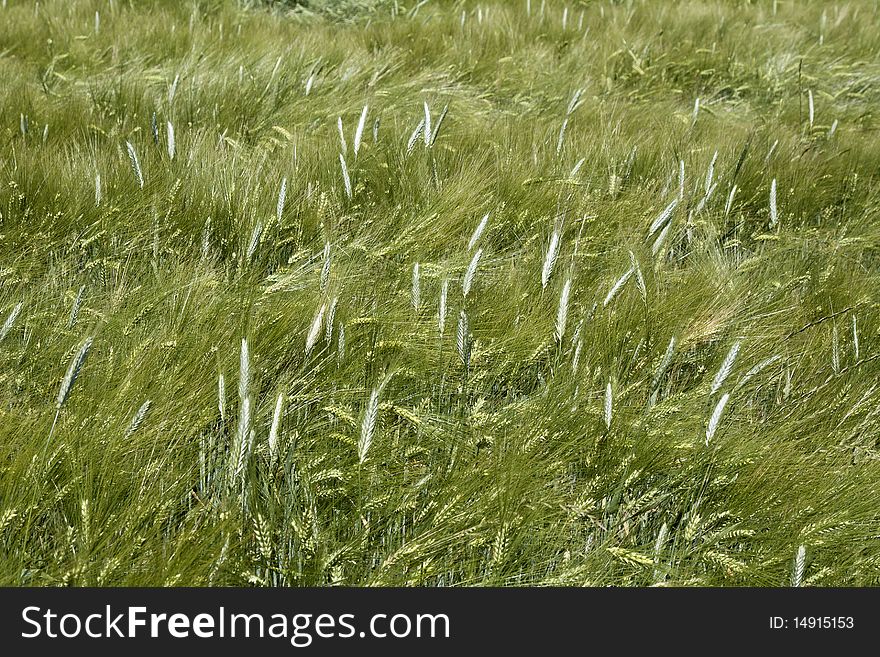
<point>656,362</point>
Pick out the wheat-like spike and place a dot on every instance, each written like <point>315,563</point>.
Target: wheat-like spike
<point>359,132</point>
<point>640,280</point>
<point>138,419</point>
<point>171,145</point>
<point>716,417</point>
<point>609,402</point>
<point>10,320</point>
<point>309,83</point>
<point>74,310</point>
<point>315,330</point>
<point>97,20</point>
<point>757,368</point>
<point>340,346</point>
<point>561,138</point>
<point>832,129</point>
<point>577,167</point>
<point>154,128</point>
<point>725,368</point>
<point>98,194</point>
<point>73,371</point>
<point>572,104</point>
<point>658,547</point>
<point>342,142</point>
<point>681,180</point>
<point>576,359</point>
<point>282,196</point>
<point>416,293</point>
<point>276,424</point>
<point>172,90</point>
<point>855,338</point>
<point>376,130</point>
<point>221,396</point>
<point>427,130</point>
<point>462,337</point>
<point>835,350</point>
<point>135,164</point>
<point>562,311</point>
<point>710,173</point>
<point>438,124</point>
<point>550,259</point>
<point>618,285</point>
<point>800,562</point>
<point>254,241</point>
<point>774,218</point>
<point>413,138</point>
<point>325,268</point>
<point>810,106</point>
<point>471,272</point>
<point>242,438</point>
<point>345,178</point>
<point>664,363</point>
<point>368,425</point>
<point>663,217</point>
<point>331,315</point>
<point>478,231</point>
<point>696,111</point>
<point>444,293</point>
<point>206,239</point>
<point>729,201</point>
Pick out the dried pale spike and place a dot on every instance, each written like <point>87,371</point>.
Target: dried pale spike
<point>661,238</point>
<point>97,190</point>
<point>172,90</point>
<point>716,417</point>
<point>325,268</point>
<point>360,130</point>
<point>835,350</point>
<point>206,239</point>
<point>444,293</point>
<point>561,138</point>
<point>331,315</point>
<point>244,371</point>
<point>97,20</point>
<point>810,106</point>
<point>550,259</point>
<point>577,167</point>
<point>315,329</point>
<point>376,131</point>
<point>254,241</point>
<point>774,217</point>
<point>416,293</point>
<point>576,359</point>
<point>345,179</point>
<point>309,83</point>
<point>770,152</point>
<point>855,338</point>
<point>221,396</point>
<point>756,369</point>
<point>663,217</point>
<point>832,129</point>
<point>462,337</point>
<point>276,425</point>
<point>427,130</point>
<point>710,173</point>
<point>439,123</point>
<point>471,272</point>
<point>138,419</point>
<point>413,138</point>
<point>282,197</point>
<point>696,111</point>
<point>340,343</point>
<point>729,201</point>
<point>10,320</point>
<point>478,231</point>
<point>342,142</point>
<point>73,372</point>
<point>618,285</point>
<point>171,143</point>
<point>609,403</point>
<point>725,369</point>
<point>562,311</point>
<point>135,164</point>
<point>572,105</point>
<point>658,547</point>
<point>681,180</point>
<point>368,425</point>
<point>800,562</point>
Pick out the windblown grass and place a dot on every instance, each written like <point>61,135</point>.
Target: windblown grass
<point>578,293</point>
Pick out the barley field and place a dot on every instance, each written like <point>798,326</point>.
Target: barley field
<point>447,293</point>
